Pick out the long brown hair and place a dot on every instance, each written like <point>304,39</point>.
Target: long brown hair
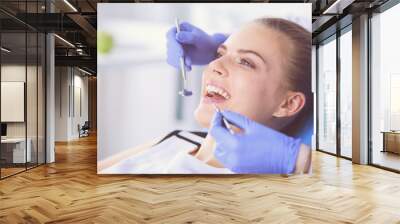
<point>298,72</point>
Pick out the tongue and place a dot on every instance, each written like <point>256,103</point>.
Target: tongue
<point>218,97</point>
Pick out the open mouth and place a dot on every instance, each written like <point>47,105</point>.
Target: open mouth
<point>216,94</point>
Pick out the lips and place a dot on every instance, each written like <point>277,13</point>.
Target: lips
<point>215,94</point>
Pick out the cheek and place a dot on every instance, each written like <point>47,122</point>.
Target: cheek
<point>255,97</point>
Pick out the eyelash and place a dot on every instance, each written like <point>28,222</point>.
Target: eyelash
<point>241,61</point>
<point>246,63</point>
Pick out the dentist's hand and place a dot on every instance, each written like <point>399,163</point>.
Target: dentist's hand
<point>258,149</point>
<point>197,46</point>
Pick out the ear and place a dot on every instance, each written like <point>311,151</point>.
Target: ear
<point>291,104</point>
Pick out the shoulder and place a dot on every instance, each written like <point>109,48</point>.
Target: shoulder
<point>303,162</point>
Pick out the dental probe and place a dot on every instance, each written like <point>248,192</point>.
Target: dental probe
<point>185,91</point>
<point>229,126</point>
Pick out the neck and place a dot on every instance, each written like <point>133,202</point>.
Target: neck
<point>206,152</point>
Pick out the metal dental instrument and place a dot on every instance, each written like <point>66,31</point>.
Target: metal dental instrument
<point>226,123</point>
<point>185,91</point>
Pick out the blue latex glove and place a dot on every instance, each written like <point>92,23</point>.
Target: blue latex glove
<point>197,46</point>
<point>258,149</point>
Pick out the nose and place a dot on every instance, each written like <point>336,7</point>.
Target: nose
<point>218,67</point>
<point>217,71</point>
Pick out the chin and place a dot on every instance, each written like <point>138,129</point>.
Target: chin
<point>203,116</point>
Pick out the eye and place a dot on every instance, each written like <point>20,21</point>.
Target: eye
<point>245,62</point>
<point>218,55</point>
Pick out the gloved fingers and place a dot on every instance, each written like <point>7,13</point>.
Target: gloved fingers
<point>237,119</point>
<point>185,26</point>
<point>174,63</point>
<point>185,37</point>
<point>174,60</point>
<point>217,119</point>
<point>219,37</point>
<point>173,46</point>
<point>217,130</point>
<point>221,134</point>
<point>173,54</point>
<point>221,155</point>
<point>188,63</point>
<point>229,158</point>
<point>171,33</point>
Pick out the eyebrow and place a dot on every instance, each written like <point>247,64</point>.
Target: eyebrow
<point>245,51</point>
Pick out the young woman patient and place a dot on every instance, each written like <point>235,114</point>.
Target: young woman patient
<point>263,72</point>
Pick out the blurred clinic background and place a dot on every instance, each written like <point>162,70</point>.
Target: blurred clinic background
<point>138,98</point>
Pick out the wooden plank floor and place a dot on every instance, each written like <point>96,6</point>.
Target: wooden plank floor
<point>70,191</point>
<point>10,171</point>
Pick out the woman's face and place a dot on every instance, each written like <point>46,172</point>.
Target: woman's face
<point>247,76</point>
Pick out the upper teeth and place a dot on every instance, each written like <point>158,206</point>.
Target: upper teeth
<point>214,89</point>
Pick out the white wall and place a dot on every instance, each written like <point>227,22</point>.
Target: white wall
<point>12,73</point>
<point>67,115</point>
<point>80,83</point>
<point>33,126</point>
<point>61,103</point>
